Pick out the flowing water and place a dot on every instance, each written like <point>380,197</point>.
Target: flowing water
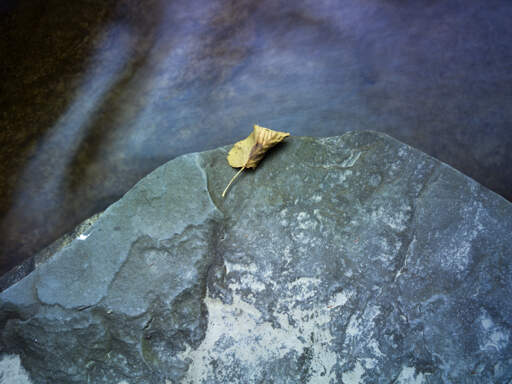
<point>96,94</point>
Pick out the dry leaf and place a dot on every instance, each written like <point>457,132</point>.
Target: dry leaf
<point>248,153</point>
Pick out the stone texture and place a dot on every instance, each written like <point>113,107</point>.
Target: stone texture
<point>352,259</point>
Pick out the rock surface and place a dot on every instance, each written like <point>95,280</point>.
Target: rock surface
<point>352,259</point>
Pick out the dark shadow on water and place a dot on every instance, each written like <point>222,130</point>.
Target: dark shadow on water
<point>42,44</point>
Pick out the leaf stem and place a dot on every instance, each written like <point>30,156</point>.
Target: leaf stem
<point>231,181</point>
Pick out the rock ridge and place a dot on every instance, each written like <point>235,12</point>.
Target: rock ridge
<point>339,260</point>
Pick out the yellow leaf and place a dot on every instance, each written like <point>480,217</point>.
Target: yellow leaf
<point>248,153</point>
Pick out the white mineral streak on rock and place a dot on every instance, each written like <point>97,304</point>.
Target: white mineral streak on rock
<point>83,236</point>
<point>237,332</point>
<point>457,250</point>
<point>234,267</point>
<point>493,337</point>
<point>396,219</point>
<point>339,299</point>
<point>353,327</point>
<point>351,160</point>
<point>412,246</point>
<point>359,332</point>
<point>342,176</point>
<point>317,198</point>
<point>408,375</point>
<point>354,376</point>
<point>250,281</point>
<point>304,222</point>
<point>11,371</point>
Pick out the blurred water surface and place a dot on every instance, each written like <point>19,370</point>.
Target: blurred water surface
<point>96,94</point>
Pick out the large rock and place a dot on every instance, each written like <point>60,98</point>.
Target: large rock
<point>352,259</point>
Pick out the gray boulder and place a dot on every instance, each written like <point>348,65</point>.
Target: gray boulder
<point>352,259</point>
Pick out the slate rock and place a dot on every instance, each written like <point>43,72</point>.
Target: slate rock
<point>351,259</point>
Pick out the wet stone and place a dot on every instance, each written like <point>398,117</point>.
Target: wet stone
<point>350,259</point>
